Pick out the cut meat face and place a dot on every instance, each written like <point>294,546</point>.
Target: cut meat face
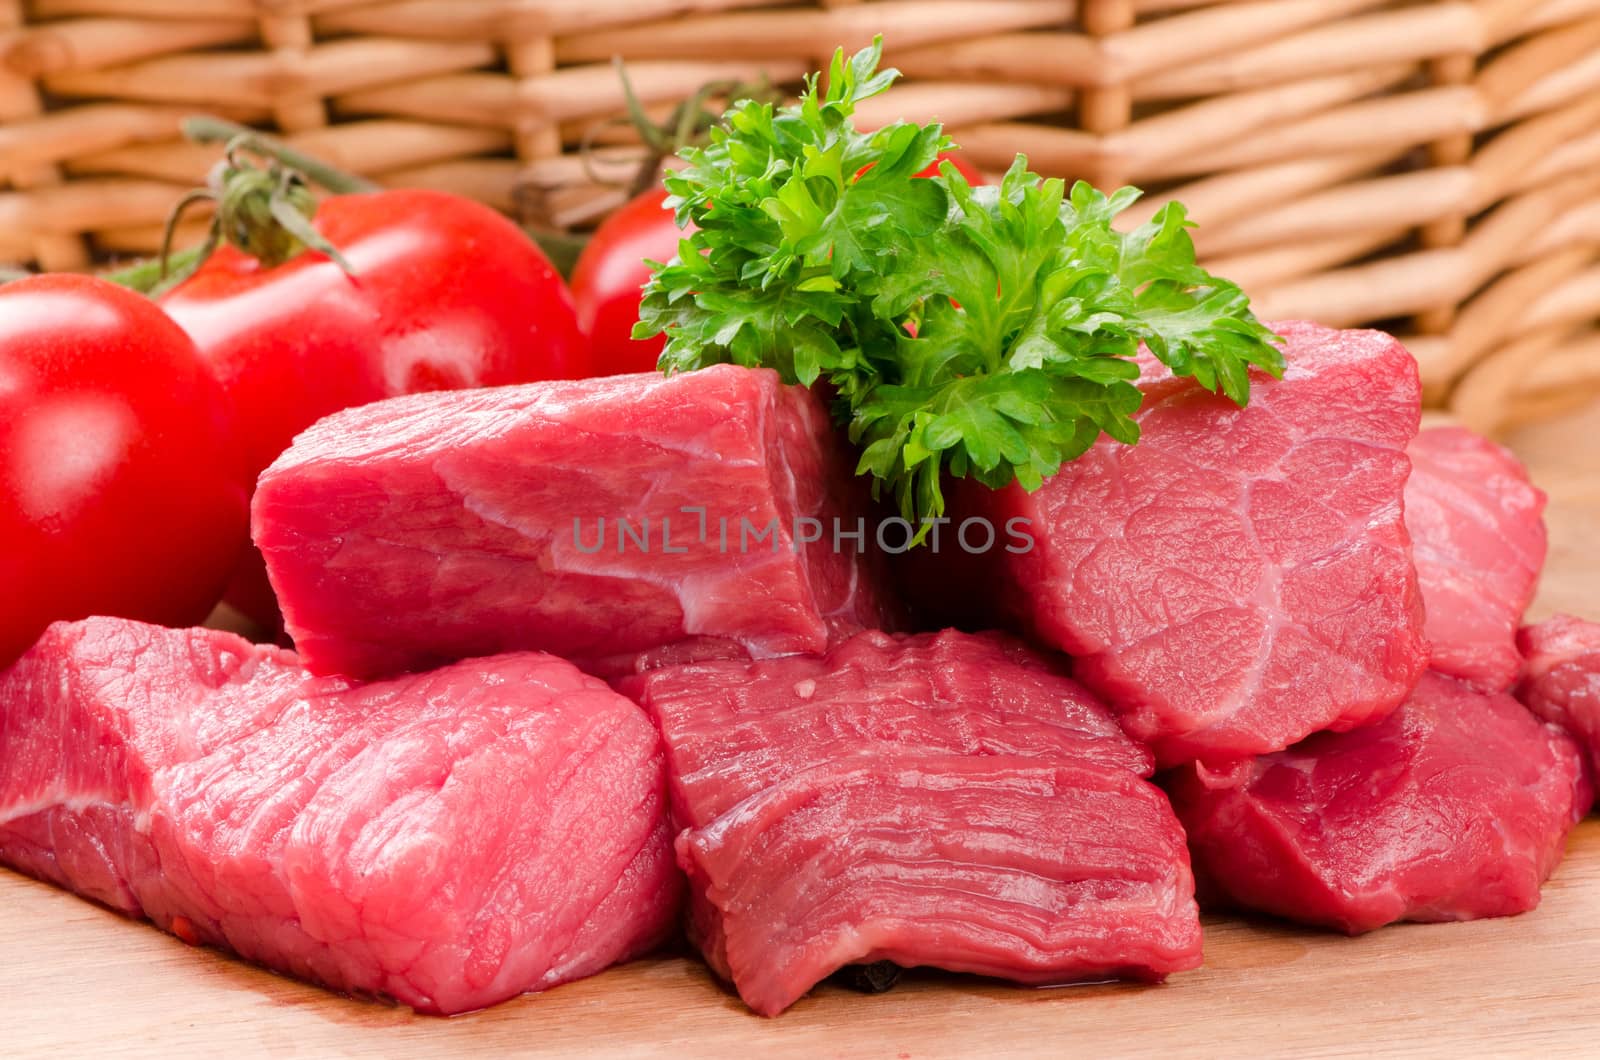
<point>449,839</point>
<point>1027,869</point>
<point>1561,678</point>
<point>594,519</point>
<point>1241,578</point>
<point>945,799</point>
<point>1456,806</point>
<point>1478,537</point>
<point>733,729</point>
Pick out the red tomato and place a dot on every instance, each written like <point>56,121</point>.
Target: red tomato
<point>611,270</point>
<point>965,168</point>
<point>447,294</point>
<point>607,280</point>
<point>121,484</point>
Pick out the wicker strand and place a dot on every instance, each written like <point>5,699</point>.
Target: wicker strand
<point>532,59</point>
<point>1107,109</point>
<point>289,37</point>
<point>1449,228</point>
<point>1433,162</point>
<point>52,250</point>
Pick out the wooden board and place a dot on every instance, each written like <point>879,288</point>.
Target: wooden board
<point>77,981</point>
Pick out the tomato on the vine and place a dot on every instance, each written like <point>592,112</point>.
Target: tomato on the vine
<point>444,294</point>
<point>607,282</point>
<point>122,489</point>
<point>609,276</point>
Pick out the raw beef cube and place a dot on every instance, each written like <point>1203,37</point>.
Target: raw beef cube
<point>1241,578</point>
<point>942,799</point>
<point>1035,869</point>
<point>734,728</point>
<point>1456,806</point>
<point>449,839</point>
<point>1561,677</point>
<point>600,518</point>
<point>1477,534</point>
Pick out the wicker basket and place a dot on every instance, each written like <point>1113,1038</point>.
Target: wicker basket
<point>1433,166</point>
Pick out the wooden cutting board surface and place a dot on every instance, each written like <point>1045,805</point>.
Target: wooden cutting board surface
<point>77,981</point>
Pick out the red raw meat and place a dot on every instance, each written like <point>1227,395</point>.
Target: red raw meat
<point>1241,578</point>
<point>442,526</point>
<point>944,799</point>
<point>1478,537</point>
<point>1456,806</point>
<point>733,729</point>
<point>1038,870</point>
<point>449,839</point>
<point>1561,677</point>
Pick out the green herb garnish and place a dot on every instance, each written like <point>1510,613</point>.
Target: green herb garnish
<point>981,331</point>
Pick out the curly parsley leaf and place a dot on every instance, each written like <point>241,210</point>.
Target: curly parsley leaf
<point>988,332</point>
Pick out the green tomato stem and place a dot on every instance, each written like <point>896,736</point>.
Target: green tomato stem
<point>266,213</point>
<point>146,276</point>
<point>205,129</point>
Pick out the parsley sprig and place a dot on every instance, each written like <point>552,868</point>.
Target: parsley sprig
<point>985,332</point>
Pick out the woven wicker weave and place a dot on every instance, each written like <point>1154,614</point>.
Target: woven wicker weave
<point>1433,166</point>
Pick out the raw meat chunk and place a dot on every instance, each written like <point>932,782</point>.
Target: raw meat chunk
<point>1561,677</point>
<point>942,799</point>
<point>449,839</point>
<point>600,518</point>
<point>1241,578</point>
<point>1456,806</point>
<point>1034,869</point>
<point>733,729</point>
<point>1477,534</point>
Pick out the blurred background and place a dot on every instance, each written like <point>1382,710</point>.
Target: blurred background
<point>1431,166</point>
